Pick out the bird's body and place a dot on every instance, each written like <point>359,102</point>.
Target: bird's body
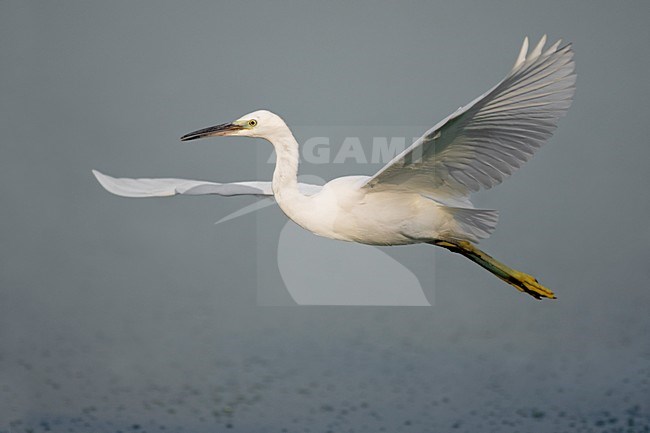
<point>422,195</point>
<point>344,210</point>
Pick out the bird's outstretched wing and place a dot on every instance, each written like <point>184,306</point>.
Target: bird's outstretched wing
<point>126,187</point>
<point>488,139</point>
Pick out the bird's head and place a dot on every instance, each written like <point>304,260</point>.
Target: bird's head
<point>261,123</point>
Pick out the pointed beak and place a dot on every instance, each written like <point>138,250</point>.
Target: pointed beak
<point>212,131</point>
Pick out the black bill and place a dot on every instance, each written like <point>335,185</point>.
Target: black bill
<point>222,129</point>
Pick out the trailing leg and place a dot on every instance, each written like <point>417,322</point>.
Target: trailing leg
<point>520,280</point>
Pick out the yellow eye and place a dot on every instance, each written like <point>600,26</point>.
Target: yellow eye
<point>252,122</point>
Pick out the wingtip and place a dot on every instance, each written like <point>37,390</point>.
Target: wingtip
<point>553,48</point>
<point>537,51</point>
<point>103,180</point>
<point>98,175</point>
<point>521,58</point>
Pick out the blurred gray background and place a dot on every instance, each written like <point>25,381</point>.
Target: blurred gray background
<point>141,315</point>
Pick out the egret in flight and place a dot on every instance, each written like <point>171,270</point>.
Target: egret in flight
<point>422,195</point>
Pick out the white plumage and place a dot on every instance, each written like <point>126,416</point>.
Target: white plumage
<point>422,195</point>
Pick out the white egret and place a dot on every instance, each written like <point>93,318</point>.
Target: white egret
<point>422,195</point>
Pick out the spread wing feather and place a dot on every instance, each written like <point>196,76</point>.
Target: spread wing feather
<point>167,187</point>
<point>485,141</point>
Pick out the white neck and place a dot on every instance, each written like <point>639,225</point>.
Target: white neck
<point>285,176</point>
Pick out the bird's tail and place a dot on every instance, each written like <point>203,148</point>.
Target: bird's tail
<point>519,280</point>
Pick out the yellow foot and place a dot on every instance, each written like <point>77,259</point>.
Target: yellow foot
<point>528,284</point>
<point>521,281</point>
